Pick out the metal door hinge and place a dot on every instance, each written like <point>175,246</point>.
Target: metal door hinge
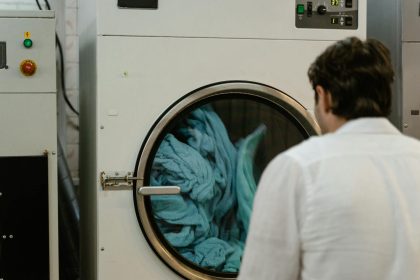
<point>118,180</point>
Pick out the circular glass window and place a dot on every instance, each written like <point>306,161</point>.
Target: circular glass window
<point>213,145</point>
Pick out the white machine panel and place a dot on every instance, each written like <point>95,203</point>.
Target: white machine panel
<point>15,28</point>
<point>272,19</point>
<point>411,86</point>
<point>175,67</point>
<point>28,125</point>
<point>411,20</point>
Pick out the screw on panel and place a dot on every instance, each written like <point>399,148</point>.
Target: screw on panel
<point>11,236</point>
<point>405,125</point>
<point>4,236</point>
<point>102,249</point>
<point>102,127</point>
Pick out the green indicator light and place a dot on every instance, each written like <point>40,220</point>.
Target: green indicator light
<point>27,43</point>
<point>300,9</point>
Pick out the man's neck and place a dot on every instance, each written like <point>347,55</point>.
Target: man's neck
<point>335,123</point>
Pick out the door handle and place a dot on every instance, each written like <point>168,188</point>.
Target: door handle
<point>159,190</point>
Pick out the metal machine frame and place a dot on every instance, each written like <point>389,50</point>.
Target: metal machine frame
<point>396,24</point>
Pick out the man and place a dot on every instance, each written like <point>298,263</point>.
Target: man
<point>345,205</point>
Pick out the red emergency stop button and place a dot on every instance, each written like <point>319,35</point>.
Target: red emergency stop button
<point>28,67</point>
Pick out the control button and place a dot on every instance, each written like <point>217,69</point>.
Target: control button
<point>349,21</point>
<point>309,9</point>
<point>322,10</point>
<point>300,9</point>
<point>349,3</point>
<point>28,67</point>
<point>334,20</point>
<point>27,43</point>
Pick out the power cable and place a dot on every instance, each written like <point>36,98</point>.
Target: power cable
<point>39,5</point>
<point>60,51</point>
<point>48,4</point>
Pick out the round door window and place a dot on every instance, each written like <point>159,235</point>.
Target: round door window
<point>213,145</point>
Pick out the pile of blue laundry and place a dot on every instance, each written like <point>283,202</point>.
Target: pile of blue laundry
<point>208,222</point>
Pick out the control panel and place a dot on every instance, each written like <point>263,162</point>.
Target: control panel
<point>28,145</point>
<point>327,14</point>
<point>27,45</point>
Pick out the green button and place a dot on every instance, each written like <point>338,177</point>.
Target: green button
<point>300,9</point>
<point>27,43</point>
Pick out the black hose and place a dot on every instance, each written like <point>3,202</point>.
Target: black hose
<point>60,52</point>
<point>69,221</point>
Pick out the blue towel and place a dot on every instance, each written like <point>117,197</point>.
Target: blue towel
<point>177,164</point>
<point>206,133</point>
<point>207,223</point>
<point>245,182</point>
<point>180,220</point>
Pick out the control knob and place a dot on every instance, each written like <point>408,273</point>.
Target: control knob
<point>322,10</point>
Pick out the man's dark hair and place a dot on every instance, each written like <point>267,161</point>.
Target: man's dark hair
<point>358,75</point>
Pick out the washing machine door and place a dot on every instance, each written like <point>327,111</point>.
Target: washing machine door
<point>211,146</point>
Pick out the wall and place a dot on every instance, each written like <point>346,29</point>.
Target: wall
<point>66,17</point>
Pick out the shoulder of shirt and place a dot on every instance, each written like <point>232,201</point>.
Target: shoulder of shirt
<point>317,148</point>
<point>310,150</point>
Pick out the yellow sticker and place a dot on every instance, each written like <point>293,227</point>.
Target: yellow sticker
<point>27,35</point>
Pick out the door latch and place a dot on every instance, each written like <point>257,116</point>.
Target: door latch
<point>116,180</point>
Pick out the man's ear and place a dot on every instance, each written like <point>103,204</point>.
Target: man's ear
<point>324,97</point>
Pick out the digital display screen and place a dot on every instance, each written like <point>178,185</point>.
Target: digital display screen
<point>334,2</point>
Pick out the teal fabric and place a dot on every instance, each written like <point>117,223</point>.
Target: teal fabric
<point>208,222</point>
<point>178,164</point>
<point>204,131</point>
<point>246,185</point>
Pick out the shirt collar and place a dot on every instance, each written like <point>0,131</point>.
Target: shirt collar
<point>374,125</point>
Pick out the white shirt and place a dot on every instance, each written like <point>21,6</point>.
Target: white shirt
<point>341,206</point>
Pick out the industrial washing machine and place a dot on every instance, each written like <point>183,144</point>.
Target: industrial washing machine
<point>183,104</point>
